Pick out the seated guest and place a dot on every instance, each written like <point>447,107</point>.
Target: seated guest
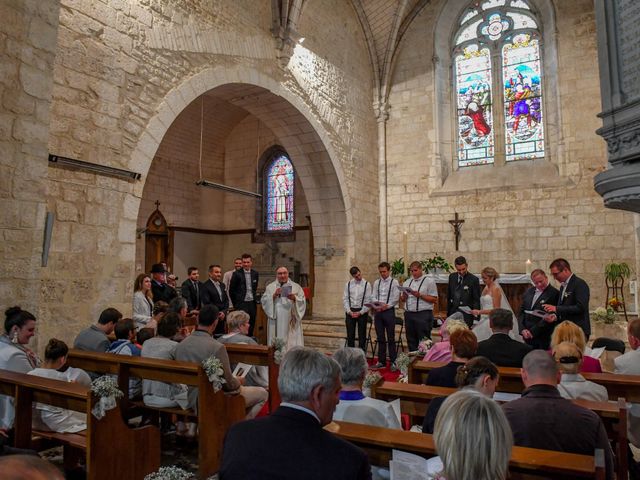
<point>125,332</point>
<point>143,335</point>
<point>541,418</point>
<point>143,302</point>
<point>19,326</point>
<point>354,406</point>
<point>479,373</point>
<point>568,331</point>
<point>19,467</point>
<point>48,417</point>
<point>161,394</point>
<point>629,364</point>
<point>200,345</point>
<point>572,385</point>
<point>441,351</point>
<point>463,346</point>
<point>290,443</point>
<point>500,348</point>
<point>472,438</point>
<point>94,338</point>
<point>238,324</point>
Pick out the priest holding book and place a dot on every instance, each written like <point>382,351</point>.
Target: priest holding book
<point>284,304</point>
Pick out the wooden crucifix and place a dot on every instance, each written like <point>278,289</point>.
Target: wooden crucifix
<point>456,223</point>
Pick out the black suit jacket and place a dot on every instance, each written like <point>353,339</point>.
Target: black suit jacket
<point>238,286</point>
<point>574,304</point>
<point>503,350</point>
<point>289,444</point>
<point>162,291</point>
<point>468,293</point>
<point>540,329</point>
<point>210,296</point>
<point>444,376</point>
<point>193,298</point>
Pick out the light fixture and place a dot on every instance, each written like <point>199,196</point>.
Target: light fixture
<point>226,188</point>
<point>93,167</point>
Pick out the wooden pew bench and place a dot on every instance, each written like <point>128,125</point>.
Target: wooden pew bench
<point>525,462</point>
<point>625,386</point>
<point>414,400</point>
<point>216,412</point>
<point>113,449</point>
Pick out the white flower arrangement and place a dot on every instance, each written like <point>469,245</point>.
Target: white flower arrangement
<point>170,473</point>
<point>402,363</point>
<point>278,345</point>
<point>215,373</point>
<point>107,391</point>
<point>424,346</point>
<point>371,379</point>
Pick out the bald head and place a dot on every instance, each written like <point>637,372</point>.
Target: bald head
<point>539,368</point>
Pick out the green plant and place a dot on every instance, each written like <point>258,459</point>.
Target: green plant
<point>613,271</point>
<point>437,261</point>
<point>397,267</point>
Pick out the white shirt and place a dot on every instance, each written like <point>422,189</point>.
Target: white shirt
<point>356,294</point>
<point>629,364</point>
<point>425,286</point>
<point>386,290</point>
<point>248,296</point>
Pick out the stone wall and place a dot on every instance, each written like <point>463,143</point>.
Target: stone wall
<point>507,219</point>
<point>27,46</point>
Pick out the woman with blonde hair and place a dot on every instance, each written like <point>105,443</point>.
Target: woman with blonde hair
<point>473,439</point>
<point>492,297</point>
<point>568,331</point>
<point>143,302</point>
<point>572,385</point>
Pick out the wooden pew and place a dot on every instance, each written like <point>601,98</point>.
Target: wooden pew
<point>625,386</point>
<point>414,400</point>
<point>216,412</point>
<point>525,462</point>
<point>258,355</point>
<point>113,450</point>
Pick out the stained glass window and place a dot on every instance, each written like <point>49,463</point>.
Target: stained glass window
<point>279,187</point>
<point>475,120</point>
<point>505,31</point>
<point>524,132</point>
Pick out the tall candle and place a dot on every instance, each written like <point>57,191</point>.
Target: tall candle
<point>405,255</point>
<point>528,266</point>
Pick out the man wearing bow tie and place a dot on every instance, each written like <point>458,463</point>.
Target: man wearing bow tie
<point>536,331</point>
<point>573,302</point>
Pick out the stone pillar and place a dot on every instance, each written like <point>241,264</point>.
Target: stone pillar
<point>382,115</point>
<point>29,30</point>
<point>618,24</point>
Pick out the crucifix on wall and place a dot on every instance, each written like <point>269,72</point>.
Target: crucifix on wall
<point>456,223</point>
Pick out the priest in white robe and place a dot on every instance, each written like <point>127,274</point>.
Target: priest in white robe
<point>284,304</point>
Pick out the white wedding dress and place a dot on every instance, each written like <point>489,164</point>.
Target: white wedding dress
<point>482,329</point>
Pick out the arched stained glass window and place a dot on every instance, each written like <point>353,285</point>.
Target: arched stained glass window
<point>497,48</point>
<point>279,180</point>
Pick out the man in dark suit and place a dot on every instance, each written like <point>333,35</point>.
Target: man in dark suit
<point>192,290</point>
<point>291,443</point>
<point>500,348</point>
<point>573,301</point>
<point>537,331</point>
<point>159,287</point>
<point>464,290</point>
<point>214,293</point>
<point>242,290</point>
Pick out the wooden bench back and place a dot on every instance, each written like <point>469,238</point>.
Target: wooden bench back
<point>112,448</point>
<point>626,386</point>
<point>526,462</point>
<point>216,411</point>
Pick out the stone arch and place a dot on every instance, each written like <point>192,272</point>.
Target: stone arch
<point>315,159</point>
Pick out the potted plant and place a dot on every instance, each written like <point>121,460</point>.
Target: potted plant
<point>398,269</point>
<point>435,263</point>
<point>614,276</point>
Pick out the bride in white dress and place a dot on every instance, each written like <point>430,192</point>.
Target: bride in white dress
<point>492,297</point>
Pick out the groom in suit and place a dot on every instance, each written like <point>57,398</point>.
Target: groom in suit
<point>242,290</point>
<point>464,290</point>
<point>573,302</point>
<point>537,331</point>
<point>214,293</point>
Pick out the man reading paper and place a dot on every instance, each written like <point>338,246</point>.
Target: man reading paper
<point>284,304</point>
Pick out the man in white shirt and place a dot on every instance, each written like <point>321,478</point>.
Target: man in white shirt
<point>385,297</point>
<point>418,308</point>
<point>357,292</point>
<point>629,364</point>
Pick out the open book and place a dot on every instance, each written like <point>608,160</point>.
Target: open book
<point>242,369</point>
<point>407,466</point>
<point>536,313</point>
